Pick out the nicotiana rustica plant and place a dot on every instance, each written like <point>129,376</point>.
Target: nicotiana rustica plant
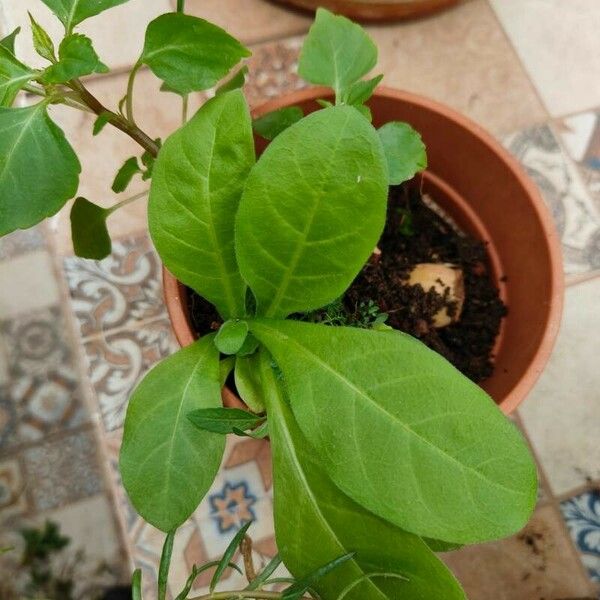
<point>383,453</point>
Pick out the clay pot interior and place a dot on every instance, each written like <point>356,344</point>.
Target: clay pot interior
<point>473,179</point>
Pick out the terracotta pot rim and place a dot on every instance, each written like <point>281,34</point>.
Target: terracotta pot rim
<point>172,288</point>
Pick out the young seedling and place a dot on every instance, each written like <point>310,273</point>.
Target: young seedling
<point>382,451</point>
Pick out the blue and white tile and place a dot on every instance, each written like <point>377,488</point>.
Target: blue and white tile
<point>582,516</point>
<point>576,215</point>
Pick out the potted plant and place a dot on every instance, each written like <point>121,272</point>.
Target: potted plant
<point>384,453</point>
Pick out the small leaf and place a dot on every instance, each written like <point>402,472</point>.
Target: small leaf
<point>190,54</point>
<point>228,555</point>
<point>36,163</point>
<point>77,58</point>
<point>324,103</point>
<point>9,41</point>
<point>136,585</point>
<point>439,546</point>
<point>359,92</point>
<point>101,122</point>
<point>249,346</point>
<point>198,571</point>
<point>166,463</point>
<point>42,42</point>
<point>237,81</point>
<point>272,124</point>
<point>125,174</point>
<point>165,563</point>
<point>404,150</point>
<point>88,230</point>
<point>248,383</point>
<point>264,575</point>
<point>224,420</point>
<point>336,52</point>
<point>231,336</point>
<point>73,12</point>
<point>14,75</point>
<point>365,111</point>
<point>225,368</point>
<point>148,161</point>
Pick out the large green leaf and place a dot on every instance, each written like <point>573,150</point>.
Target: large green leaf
<point>336,52</point>
<point>73,12</point>
<point>76,58</point>
<point>13,76</point>
<point>404,150</point>
<point>197,182</point>
<point>323,513</point>
<point>312,211</point>
<point>39,170</point>
<point>402,432</point>
<point>190,54</point>
<point>166,463</point>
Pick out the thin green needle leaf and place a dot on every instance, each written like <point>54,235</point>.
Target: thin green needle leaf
<point>136,585</point>
<point>228,555</point>
<point>264,575</point>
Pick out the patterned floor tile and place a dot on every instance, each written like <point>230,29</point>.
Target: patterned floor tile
<point>559,45</point>
<point>118,361</point>
<point>62,471</point>
<point>576,216</point>
<point>43,394</point>
<point>582,516</point>
<point>19,242</point>
<point>537,564</point>
<point>119,291</point>
<point>13,501</point>
<point>562,413</point>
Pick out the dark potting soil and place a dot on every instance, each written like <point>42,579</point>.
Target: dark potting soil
<point>414,233</point>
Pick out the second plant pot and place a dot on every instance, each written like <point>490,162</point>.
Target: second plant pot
<point>485,191</point>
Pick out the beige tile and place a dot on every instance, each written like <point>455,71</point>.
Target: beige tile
<point>562,413</point>
<point>118,33</point>
<point>462,58</point>
<point>251,21</point>
<point>157,113</point>
<point>537,564</point>
<point>27,283</point>
<point>559,45</point>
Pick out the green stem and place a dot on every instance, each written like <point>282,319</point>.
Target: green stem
<point>184,109</point>
<point>130,84</point>
<point>32,89</point>
<point>123,203</point>
<point>180,6</point>
<point>258,595</point>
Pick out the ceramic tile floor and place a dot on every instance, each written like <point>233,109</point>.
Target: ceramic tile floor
<point>75,335</point>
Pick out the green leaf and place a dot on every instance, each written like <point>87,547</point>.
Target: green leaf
<point>9,41</point>
<point>190,54</point>
<point>231,336</point>
<point>225,368</point>
<point>228,555</point>
<point>199,570</point>
<point>312,211</point>
<point>88,230</point>
<point>42,42</point>
<point>165,563</point>
<point>136,585</point>
<point>197,183</point>
<point>322,512</point>
<point>166,463</point>
<point>247,382</point>
<point>101,122</point>
<point>365,111</point>
<point>14,75</point>
<point>264,575</point>
<point>336,52</point>
<point>77,58</point>
<point>439,546</point>
<point>73,12</point>
<point>223,420</point>
<point>125,174</point>
<point>39,171</point>
<point>236,82</point>
<point>404,149</point>
<point>359,92</point>
<point>272,124</point>
<point>402,432</point>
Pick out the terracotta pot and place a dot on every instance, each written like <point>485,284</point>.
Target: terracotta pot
<point>375,10</point>
<point>488,194</point>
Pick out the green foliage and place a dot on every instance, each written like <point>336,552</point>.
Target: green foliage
<point>76,58</point>
<point>370,315</point>
<point>37,166</point>
<point>201,171</point>
<point>236,82</point>
<point>404,149</point>
<point>231,336</point>
<point>14,75</point>
<point>228,555</point>
<point>190,54</point>
<point>101,122</point>
<point>272,124</point>
<point>73,12</point>
<point>88,230</point>
<point>360,91</point>
<point>136,585</point>
<point>417,403</point>
<point>125,174</point>
<point>166,463</point>
<point>224,420</point>
<point>248,383</point>
<point>299,242</point>
<point>321,512</point>
<point>9,41</point>
<point>336,52</point>
<point>42,42</point>
<point>165,563</point>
